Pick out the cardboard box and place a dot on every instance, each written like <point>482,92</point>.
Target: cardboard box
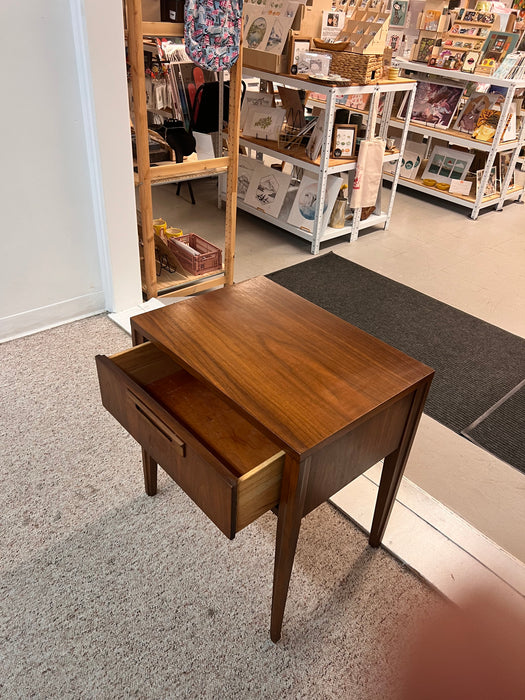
<point>273,63</point>
<point>260,60</point>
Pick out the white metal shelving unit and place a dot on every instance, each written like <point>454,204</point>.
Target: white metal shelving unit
<point>457,138</point>
<point>324,165</point>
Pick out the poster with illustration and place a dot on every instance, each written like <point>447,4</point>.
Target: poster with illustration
<point>469,115</point>
<point>398,15</point>
<point>303,211</point>
<point>446,164</point>
<point>410,163</point>
<point>256,32</point>
<point>434,104</point>
<point>244,175</point>
<point>264,122</point>
<point>267,190</point>
<point>267,24</point>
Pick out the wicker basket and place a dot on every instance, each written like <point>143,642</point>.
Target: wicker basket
<point>205,258</point>
<point>362,69</point>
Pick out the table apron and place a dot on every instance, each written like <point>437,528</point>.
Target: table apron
<point>338,463</point>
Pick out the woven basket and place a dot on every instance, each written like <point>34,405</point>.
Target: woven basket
<point>362,69</point>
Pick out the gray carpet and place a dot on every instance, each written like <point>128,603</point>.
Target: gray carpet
<point>476,363</point>
<point>501,430</point>
<point>107,593</point>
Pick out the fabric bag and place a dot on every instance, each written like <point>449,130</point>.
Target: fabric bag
<point>212,32</point>
<point>368,173</point>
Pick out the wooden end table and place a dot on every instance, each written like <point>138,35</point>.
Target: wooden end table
<point>309,400</point>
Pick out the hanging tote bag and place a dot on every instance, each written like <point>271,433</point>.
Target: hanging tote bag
<point>368,173</point>
<point>212,32</point>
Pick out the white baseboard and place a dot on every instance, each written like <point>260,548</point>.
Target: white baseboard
<point>435,542</point>
<point>36,320</point>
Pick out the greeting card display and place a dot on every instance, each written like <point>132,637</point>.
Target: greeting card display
<point>366,31</point>
<point>462,45</point>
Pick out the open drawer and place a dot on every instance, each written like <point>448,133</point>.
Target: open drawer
<point>225,464</point>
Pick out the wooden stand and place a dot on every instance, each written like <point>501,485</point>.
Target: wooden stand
<point>173,172</point>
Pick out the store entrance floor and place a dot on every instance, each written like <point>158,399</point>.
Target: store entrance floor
<point>476,266</point>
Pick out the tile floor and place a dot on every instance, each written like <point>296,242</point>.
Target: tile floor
<point>476,266</point>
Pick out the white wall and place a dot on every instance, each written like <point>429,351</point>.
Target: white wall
<point>67,208</point>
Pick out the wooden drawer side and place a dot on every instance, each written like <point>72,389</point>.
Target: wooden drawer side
<point>258,491</point>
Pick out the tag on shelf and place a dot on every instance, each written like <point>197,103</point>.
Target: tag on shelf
<point>460,187</point>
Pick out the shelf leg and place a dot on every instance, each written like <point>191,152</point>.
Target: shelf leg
<point>502,123</point>
<point>323,171</point>
<point>234,116</point>
<point>138,83</point>
<point>404,136</point>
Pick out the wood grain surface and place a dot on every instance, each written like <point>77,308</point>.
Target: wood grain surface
<point>298,372</point>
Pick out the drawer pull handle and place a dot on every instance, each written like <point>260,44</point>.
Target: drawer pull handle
<point>162,428</point>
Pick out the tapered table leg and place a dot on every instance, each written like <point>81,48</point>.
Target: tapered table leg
<point>150,473</point>
<point>291,506</point>
<point>394,466</point>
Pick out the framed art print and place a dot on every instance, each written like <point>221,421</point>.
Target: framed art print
<point>344,140</point>
<point>469,115</point>
<point>298,46</point>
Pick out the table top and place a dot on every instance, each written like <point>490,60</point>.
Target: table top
<point>303,375</point>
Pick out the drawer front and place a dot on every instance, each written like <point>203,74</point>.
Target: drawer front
<point>210,490</point>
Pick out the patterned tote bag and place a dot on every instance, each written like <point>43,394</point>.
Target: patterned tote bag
<point>212,32</point>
